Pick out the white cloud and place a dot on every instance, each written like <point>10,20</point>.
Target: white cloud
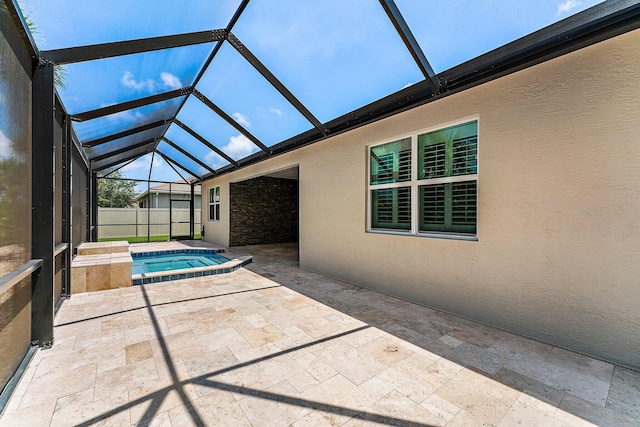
<point>407,85</point>
<point>214,160</point>
<point>170,80</point>
<point>129,81</point>
<point>139,164</point>
<point>567,6</point>
<point>242,119</point>
<point>127,116</point>
<point>269,112</point>
<point>150,85</point>
<point>139,169</point>
<point>239,146</point>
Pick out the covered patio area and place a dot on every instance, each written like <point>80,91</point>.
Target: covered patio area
<point>272,344</point>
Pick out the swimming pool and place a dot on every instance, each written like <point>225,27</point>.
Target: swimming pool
<point>153,264</point>
<point>164,266</point>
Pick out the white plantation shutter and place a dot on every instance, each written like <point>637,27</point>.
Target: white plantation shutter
<point>384,164</point>
<point>464,206</point>
<point>449,207</point>
<point>391,162</point>
<point>404,165</point>
<point>391,208</point>
<point>445,186</point>
<point>214,204</point>
<point>434,161</point>
<point>464,157</point>
<point>432,205</point>
<point>449,204</point>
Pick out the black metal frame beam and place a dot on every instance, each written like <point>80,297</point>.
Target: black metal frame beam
<point>214,52</point>
<point>43,199</point>
<point>197,136</point>
<point>237,126</point>
<point>67,149</point>
<point>113,137</point>
<point>594,25</point>
<point>179,174</point>
<point>273,80</point>
<point>142,45</point>
<point>78,146</point>
<point>88,201</point>
<point>153,156</point>
<point>93,211</point>
<point>133,179</point>
<point>27,50</point>
<point>101,165</point>
<point>141,102</point>
<point>591,26</point>
<point>109,50</point>
<point>124,163</point>
<point>189,155</point>
<point>169,159</point>
<point>411,43</point>
<point>123,150</point>
<point>192,211</point>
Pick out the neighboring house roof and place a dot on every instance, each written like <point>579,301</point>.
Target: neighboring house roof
<point>176,188</point>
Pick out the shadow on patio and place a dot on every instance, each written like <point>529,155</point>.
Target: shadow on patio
<point>276,345</point>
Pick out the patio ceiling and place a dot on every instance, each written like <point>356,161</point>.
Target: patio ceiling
<point>234,86</point>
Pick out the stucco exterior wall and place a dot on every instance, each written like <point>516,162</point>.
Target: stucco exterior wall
<point>558,250</point>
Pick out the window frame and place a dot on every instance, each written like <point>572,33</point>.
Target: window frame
<point>214,203</point>
<point>415,184</point>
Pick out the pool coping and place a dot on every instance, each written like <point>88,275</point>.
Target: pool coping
<point>187,273</point>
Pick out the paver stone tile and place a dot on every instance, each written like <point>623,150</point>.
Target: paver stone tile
<point>278,405</point>
<point>81,408</point>
<point>350,362</point>
<point>624,394</point>
<point>215,409</point>
<point>480,395</point>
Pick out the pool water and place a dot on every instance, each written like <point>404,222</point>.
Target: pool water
<point>152,264</point>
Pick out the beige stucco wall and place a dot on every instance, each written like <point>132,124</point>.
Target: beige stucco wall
<point>558,250</point>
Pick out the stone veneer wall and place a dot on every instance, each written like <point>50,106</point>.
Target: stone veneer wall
<point>263,210</point>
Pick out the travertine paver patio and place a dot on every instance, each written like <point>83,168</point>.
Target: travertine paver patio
<point>274,345</point>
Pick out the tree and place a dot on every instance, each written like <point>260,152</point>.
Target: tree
<point>116,192</point>
<point>59,71</point>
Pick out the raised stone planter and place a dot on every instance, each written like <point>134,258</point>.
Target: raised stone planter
<point>99,248</point>
<point>100,266</point>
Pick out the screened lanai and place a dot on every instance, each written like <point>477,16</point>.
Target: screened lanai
<point>234,82</point>
<point>199,89</point>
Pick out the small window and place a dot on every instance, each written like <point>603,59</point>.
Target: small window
<point>448,152</point>
<point>439,195</point>
<point>391,208</point>
<point>448,167</point>
<point>214,204</point>
<point>391,162</point>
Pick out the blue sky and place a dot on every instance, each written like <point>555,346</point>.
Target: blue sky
<point>333,55</point>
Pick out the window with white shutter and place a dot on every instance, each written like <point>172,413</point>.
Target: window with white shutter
<point>391,162</point>
<point>391,208</point>
<point>442,196</point>
<point>448,185</point>
<point>214,204</point>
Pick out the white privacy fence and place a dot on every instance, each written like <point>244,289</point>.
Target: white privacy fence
<point>137,222</point>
